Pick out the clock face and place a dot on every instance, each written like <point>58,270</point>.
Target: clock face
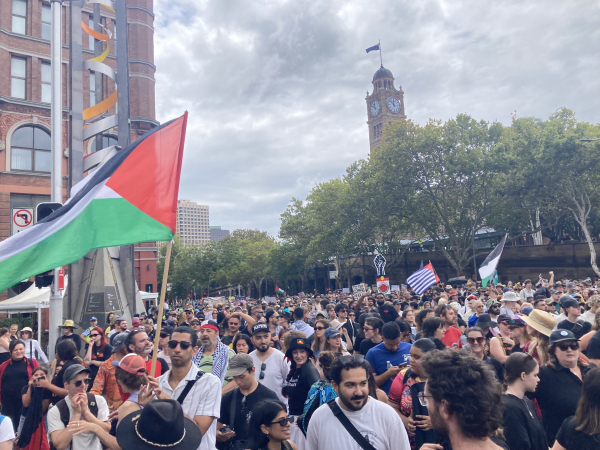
<point>393,104</point>
<point>375,108</point>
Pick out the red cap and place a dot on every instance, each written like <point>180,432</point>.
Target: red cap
<point>131,363</point>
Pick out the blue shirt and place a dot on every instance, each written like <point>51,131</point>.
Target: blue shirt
<point>379,355</point>
<point>304,327</point>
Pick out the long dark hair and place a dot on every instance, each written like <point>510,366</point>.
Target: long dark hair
<point>587,415</point>
<point>13,344</point>
<point>262,414</point>
<point>239,336</point>
<point>430,326</point>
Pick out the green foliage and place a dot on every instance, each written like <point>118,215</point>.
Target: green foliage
<point>18,319</point>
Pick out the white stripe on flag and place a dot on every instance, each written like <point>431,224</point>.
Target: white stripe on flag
<point>421,280</point>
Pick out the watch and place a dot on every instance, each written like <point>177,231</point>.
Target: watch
<point>375,108</point>
<point>393,105</point>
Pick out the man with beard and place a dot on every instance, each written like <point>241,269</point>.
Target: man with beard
<point>213,356</point>
<point>271,367</point>
<point>202,403</point>
<point>376,422</point>
<point>137,342</point>
<point>387,312</point>
<point>233,326</point>
<point>464,400</point>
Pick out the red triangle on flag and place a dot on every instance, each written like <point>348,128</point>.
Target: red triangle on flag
<point>430,268</point>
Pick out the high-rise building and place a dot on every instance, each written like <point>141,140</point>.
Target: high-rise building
<point>193,225</point>
<point>216,233</point>
<point>385,104</point>
<point>25,92</point>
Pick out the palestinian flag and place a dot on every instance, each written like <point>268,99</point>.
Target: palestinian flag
<point>278,290</point>
<point>132,198</point>
<point>487,269</point>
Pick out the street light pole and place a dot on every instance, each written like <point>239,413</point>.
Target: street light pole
<point>56,304</point>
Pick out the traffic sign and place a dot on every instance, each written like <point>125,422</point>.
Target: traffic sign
<point>22,218</point>
<point>61,279</point>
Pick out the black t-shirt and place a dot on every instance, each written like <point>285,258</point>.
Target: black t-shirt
<point>388,313</point>
<point>461,322</point>
<point>522,428</point>
<point>74,337</point>
<point>593,348</point>
<point>46,395</point>
<point>296,389</point>
<point>572,439</point>
<point>227,340</point>
<point>579,331</point>
<point>99,356</point>
<point>366,345</point>
<point>240,425</point>
<point>497,365</point>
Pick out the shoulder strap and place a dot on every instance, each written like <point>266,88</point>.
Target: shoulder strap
<point>232,407</point>
<point>359,438</point>
<point>406,376</point>
<point>63,409</point>
<point>188,387</point>
<point>92,404</point>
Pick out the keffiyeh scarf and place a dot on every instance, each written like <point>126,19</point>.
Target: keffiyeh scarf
<point>220,360</point>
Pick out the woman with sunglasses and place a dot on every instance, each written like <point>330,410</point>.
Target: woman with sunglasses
<point>582,431</point>
<point>14,376</point>
<point>559,389</point>
<point>318,344</point>
<point>501,345</point>
<point>98,351</point>
<point>476,342</point>
<point>518,333</point>
<point>270,427</point>
<point>302,375</point>
<point>522,427</point>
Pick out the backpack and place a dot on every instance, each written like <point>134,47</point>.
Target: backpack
<point>63,408</point>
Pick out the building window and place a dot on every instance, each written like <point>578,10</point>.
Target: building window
<point>92,88</point>
<point>46,82</point>
<point>46,22</point>
<point>91,39</point>
<point>30,150</point>
<point>19,16</point>
<point>18,71</point>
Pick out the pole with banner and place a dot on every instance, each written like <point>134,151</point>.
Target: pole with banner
<point>161,305</point>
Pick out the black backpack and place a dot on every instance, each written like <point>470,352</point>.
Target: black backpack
<point>63,408</point>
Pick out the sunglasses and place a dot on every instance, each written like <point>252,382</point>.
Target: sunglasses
<point>183,344</point>
<point>94,335</point>
<point>479,340</point>
<point>320,328</point>
<point>566,346</point>
<point>263,367</point>
<point>283,422</point>
<point>80,382</point>
<point>164,335</point>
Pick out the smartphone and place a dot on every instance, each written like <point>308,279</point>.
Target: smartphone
<point>403,365</point>
<point>225,430</point>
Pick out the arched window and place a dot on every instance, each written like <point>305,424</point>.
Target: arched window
<point>107,141</point>
<point>30,150</point>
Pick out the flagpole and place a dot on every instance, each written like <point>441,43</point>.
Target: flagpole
<point>163,292</point>
<point>380,57</point>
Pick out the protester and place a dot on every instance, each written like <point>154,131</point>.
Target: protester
<point>301,377</point>
<point>387,357</point>
<point>539,326</point>
<point>85,336</point>
<point>98,351</point>
<point>66,356</point>
<point>238,405</point>
<point>433,328</point>
<point>32,347</point>
<point>120,327</point>
<point>110,322</point>
<point>573,323</point>
<point>36,399</point>
<point>4,345</point>
<point>476,343</point>
<point>13,332</point>
<point>368,416</point>
<point>271,366</point>
<point>137,342</point>
<point>149,329</point>
<point>213,356</point>
<point>270,427</point>
<point>501,345</point>
<point>449,317</point>
<point>164,338</point>
<point>105,383</point>
<point>582,431</point>
<point>234,324</point>
<point>242,343</point>
<point>14,376</point>
<point>130,373</point>
<point>333,341</point>
<point>372,332</point>
<point>299,323</point>
<point>522,427</point>
<point>518,333</point>
<point>318,338</point>
<point>68,328</point>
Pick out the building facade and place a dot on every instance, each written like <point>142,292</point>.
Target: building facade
<point>193,223</point>
<point>385,104</point>
<point>216,233</point>
<point>25,80</point>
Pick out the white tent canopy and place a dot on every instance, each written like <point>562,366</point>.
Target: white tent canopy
<point>33,299</point>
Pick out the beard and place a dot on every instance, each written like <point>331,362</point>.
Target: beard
<point>437,423</point>
<point>347,401</point>
<point>380,302</point>
<point>263,348</point>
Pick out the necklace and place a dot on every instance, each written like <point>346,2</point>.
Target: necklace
<point>527,406</point>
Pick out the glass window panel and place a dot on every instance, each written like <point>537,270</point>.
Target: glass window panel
<point>92,88</point>
<point>41,139</point>
<point>18,67</point>
<point>91,39</point>
<point>23,137</point>
<point>46,31</point>
<point>20,7</point>
<point>43,161</point>
<point>46,93</point>
<point>20,159</point>
<point>18,24</point>
<point>46,73</point>
<point>17,88</point>
<point>46,13</point>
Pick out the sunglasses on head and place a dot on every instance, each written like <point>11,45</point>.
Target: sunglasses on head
<point>78,383</point>
<point>349,358</point>
<point>183,344</point>
<point>479,340</point>
<point>564,346</point>
<point>283,422</point>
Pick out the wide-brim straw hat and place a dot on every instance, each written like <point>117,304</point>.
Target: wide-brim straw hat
<point>541,321</point>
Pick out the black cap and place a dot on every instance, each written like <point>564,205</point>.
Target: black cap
<point>562,335</point>
<point>259,327</point>
<point>166,329</point>
<point>503,317</point>
<point>566,301</point>
<point>484,320</point>
<point>73,371</point>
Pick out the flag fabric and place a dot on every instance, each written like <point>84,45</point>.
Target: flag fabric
<point>496,281</point>
<point>487,269</point>
<point>375,47</point>
<point>423,279</point>
<point>278,290</point>
<point>132,198</point>
<point>383,285</point>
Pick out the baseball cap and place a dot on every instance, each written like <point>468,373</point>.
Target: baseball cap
<point>566,301</point>
<point>166,330</point>
<point>260,327</point>
<point>503,317</point>
<point>560,336</point>
<point>131,363</point>
<point>119,342</point>
<point>331,332</point>
<point>239,364</point>
<point>93,319</point>
<point>73,371</point>
<point>119,319</point>
<point>135,321</point>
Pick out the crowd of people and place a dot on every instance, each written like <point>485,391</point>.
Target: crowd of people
<point>459,367</point>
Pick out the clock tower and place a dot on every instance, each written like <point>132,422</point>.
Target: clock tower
<point>385,104</point>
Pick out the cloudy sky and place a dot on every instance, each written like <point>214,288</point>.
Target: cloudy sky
<point>275,89</point>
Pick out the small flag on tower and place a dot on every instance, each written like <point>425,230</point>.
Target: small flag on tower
<point>375,47</point>
<point>423,279</point>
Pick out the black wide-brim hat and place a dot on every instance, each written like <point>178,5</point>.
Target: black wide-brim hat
<point>160,424</point>
<point>296,344</point>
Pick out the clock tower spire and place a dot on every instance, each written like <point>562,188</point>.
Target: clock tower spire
<point>385,104</point>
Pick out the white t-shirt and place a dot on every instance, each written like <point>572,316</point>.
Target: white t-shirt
<point>6,430</point>
<point>204,399</point>
<point>376,421</point>
<point>589,316</point>
<point>276,371</point>
<point>83,441</point>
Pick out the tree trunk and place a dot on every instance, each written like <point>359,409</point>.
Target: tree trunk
<point>588,238</point>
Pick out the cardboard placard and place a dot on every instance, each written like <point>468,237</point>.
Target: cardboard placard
<point>395,287</point>
<point>358,290</point>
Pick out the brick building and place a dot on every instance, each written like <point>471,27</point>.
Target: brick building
<point>25,109</point>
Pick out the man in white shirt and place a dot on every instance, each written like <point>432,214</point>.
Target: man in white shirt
<point>76,379</point>
<point>202,403</point>
<point>375,421</point>
<point>271,367</point>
